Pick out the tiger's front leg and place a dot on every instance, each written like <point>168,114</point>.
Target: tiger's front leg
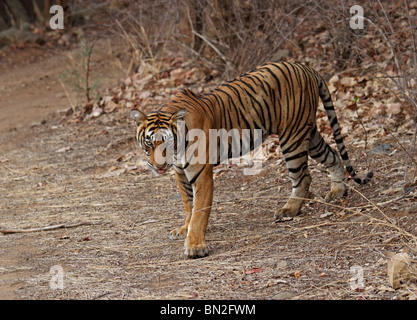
<point>186,191</point>
<point>202,178</point>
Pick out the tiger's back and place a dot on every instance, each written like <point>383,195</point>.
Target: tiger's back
<point>271,97</point>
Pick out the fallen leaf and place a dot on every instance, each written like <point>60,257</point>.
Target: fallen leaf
<point>352,106</point>
<point>395,108</point>
<point>334,79</point>
<point>145,95</point>
<point>111,106</point>
<point>397,268</point>
<point>254,270</point>
<point>348,81</point>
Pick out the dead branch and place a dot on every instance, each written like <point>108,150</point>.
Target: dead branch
<point>46,228</point>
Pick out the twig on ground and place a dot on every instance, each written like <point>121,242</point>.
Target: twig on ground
<point>46,228</point>
<point>387,221</point>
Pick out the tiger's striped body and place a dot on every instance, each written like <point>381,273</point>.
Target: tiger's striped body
<point>279,98</point>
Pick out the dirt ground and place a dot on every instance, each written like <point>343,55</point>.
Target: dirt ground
<point>55,170</point>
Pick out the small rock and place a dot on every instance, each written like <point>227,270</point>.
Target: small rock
<point>63,149</point>
<point>97,112</point>
<point>381,149</point>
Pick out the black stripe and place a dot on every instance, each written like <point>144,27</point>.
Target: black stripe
<point>333,122</point>
<point>328,99</point>
<point>249,85</point>
<point>297,142</point>
<point>192,96</point>
<point>197,175</point>
<point>240,115</point>
<point>276,79</point>
<point>226,113</point>
<point>300,180</point>
<point>297,156</point>
<point>344,156</point>
<point>260,82</point>
<point>318,154</point>
<point>259,111</point>
<point>222,107</point>
<point>295,170</point>
<point>351,170</point>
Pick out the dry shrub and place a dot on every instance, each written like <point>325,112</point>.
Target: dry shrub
<point>394,25</point>
<point>238,35</point>
<point>229,36</point>
<point>335,17</point>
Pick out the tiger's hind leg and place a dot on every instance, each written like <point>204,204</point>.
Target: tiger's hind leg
<point>297,164</point>
<point>321,152</point>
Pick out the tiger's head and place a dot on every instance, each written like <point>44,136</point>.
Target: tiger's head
<point>157,135</point>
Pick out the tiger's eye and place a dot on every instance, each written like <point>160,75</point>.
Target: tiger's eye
<point>148,143</point>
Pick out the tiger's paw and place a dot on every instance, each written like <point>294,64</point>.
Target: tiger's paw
<point>335,193</point>
<point>178,233</point>
<point>195,250</point>
<point>286,214</point>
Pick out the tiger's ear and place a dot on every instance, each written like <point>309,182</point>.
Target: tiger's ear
<point>179,115</point>
<point>138,116</point>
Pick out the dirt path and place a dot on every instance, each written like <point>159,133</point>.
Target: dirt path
<point>29,86</point>
<point>30,81</point>
<point>60,171</point>
<point>31,94</point>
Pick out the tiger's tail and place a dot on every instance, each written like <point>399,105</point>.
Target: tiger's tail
<point>331,114</point>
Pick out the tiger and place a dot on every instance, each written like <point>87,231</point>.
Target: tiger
<point>279,98</point>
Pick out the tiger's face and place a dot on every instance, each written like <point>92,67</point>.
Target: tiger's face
<point>157,136</point>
